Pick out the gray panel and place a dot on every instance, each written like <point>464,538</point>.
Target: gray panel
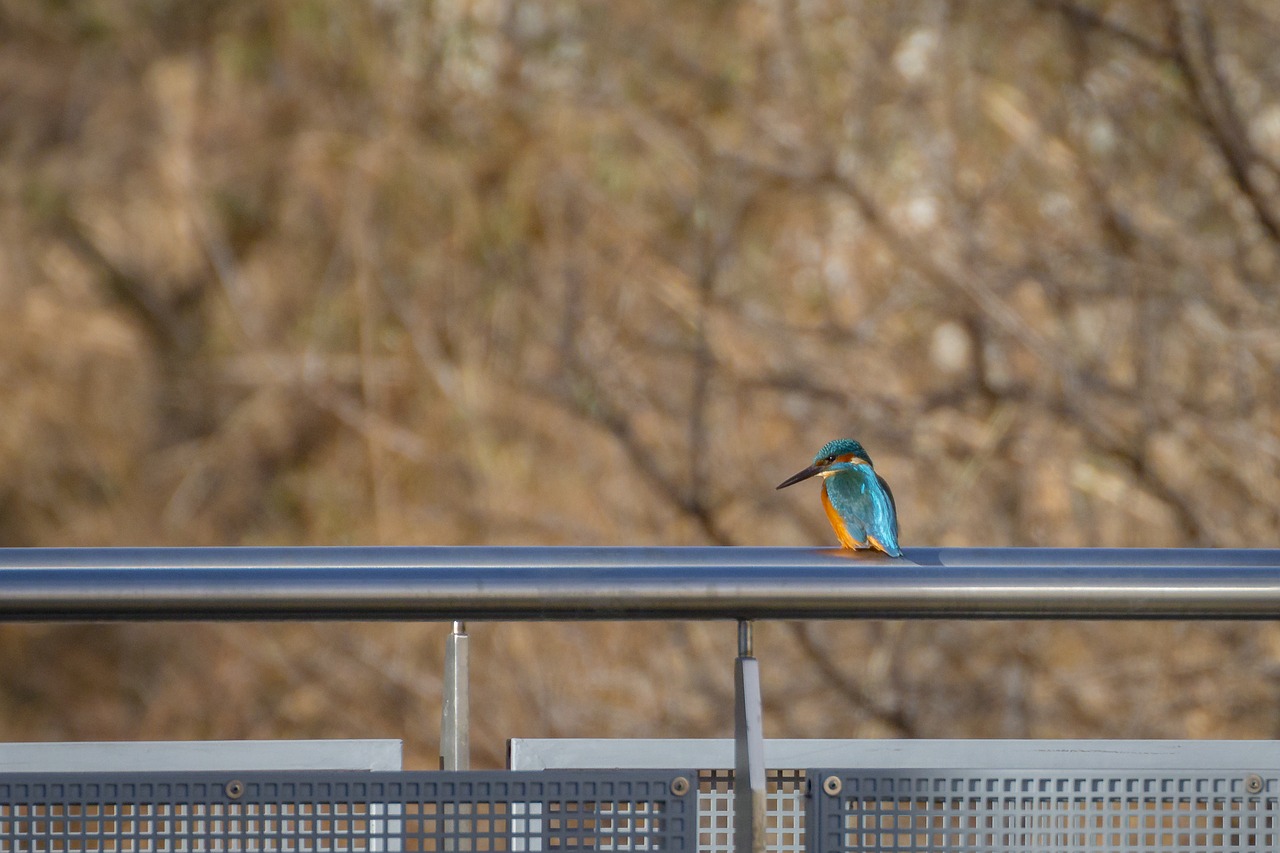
<point>551,753</point>
<point>334,811</point>
<point>948,762</point>
<point>201,755</point>
<point>784,789</point>
<point>983,811</point>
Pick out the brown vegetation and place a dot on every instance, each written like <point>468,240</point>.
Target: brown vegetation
<point>408,272</point>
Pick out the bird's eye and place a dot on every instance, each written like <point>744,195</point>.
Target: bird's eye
<point>828,460</point>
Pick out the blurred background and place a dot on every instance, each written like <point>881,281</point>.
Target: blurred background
<point>534,272</point>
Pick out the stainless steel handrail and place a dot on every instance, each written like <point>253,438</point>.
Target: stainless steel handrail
<point>493,583</point>
<point>517,583</point>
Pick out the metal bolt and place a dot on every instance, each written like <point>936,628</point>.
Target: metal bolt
<point>679,786</point>
<point>746,638</point>
<point>234,789</point>
<point>832,785</point>
<point>1253,783</point>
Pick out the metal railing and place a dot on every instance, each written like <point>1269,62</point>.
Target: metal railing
<point>377,812</point>
<point>495,583</point>
<point>483,583</point>
<point>1099,806</point>
<point>992,795</point>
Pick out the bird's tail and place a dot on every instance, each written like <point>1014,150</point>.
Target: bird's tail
<point>889,545</point>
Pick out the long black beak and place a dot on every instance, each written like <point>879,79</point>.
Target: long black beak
<point>811,471</point>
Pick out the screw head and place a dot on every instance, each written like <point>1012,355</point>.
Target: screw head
<point>1253,783</point>
<point>234,789</point>
<point>680,786</point>
<point>832,785</point>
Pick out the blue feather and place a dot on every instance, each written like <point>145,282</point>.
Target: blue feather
<point>865,504</point>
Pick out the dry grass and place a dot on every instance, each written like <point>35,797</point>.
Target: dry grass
<point>466,273</point>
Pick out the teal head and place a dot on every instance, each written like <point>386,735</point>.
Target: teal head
<point>837,455</point>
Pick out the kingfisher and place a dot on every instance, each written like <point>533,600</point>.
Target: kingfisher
<point>858,502</point>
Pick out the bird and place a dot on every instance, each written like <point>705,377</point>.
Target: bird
<point>858,501</point>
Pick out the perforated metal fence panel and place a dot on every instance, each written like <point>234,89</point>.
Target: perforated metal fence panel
<point>1164,811</point>
<point>345,811</point>
<point>784,811</point>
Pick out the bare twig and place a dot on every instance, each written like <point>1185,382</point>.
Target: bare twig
<point>891,711</point>
<point>1083,17</point>
<point>1196,56</point>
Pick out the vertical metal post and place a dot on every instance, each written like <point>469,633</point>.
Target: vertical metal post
<point>748,748</point>
<point>455,723</point>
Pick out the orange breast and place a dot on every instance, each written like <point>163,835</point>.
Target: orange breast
<point>837,523</point>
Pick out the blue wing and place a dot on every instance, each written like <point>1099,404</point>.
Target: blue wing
<point>863,499</point>
<point>893,506</point>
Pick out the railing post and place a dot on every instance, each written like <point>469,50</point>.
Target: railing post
<point>455,723</point>
<point>748,748</point>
